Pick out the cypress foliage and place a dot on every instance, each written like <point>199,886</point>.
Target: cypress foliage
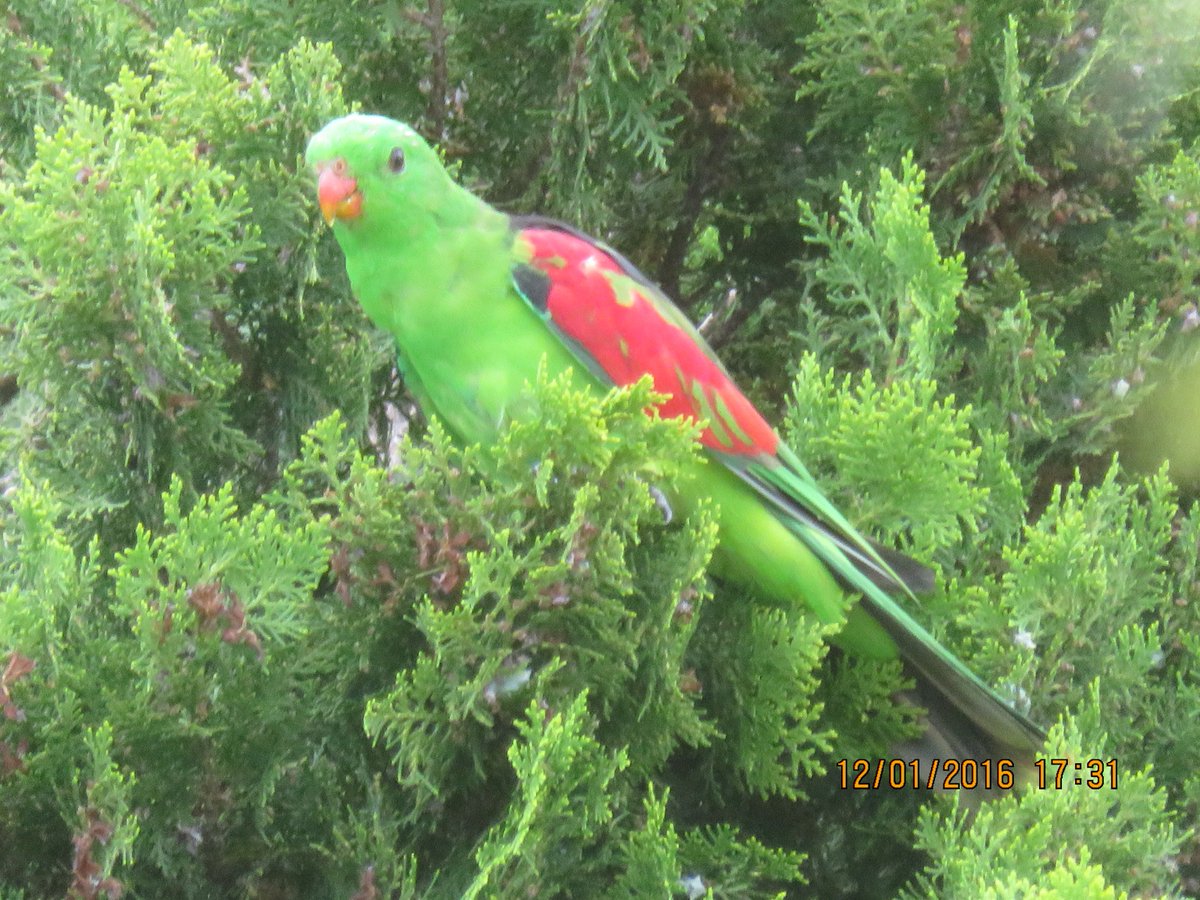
<point>264,631</point>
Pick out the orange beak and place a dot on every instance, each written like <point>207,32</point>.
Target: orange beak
<point>338,193</point>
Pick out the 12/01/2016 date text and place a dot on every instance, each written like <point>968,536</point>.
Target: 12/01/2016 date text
<point>969,774</point>
<point>933,774</point>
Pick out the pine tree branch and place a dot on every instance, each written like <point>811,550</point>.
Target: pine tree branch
<point>433,20</point>
<point>51,84</point>
<point>146,20</point>
<point>726,325</point>
<point>699,186</point>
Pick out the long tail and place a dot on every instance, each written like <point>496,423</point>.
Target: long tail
<point>973,740</point>
<point>965,720</point>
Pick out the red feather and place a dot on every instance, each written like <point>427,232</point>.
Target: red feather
<point>630,329</point>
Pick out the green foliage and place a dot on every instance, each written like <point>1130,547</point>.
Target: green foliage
<point>951,245</point>
<point>1099,558</point>
<point>132,352</point>
<point>746,863</point>
<point>30,92</point>
<point>929,492</point>
<point>234,680</point>
<point>859,61</point>
<point>539,570</point>
<point>1168,229</point>
<point>1074,837</point>
<point>761,690</point>
<point>107,828</point>
<point>894,295</point>
<point>563,803</point>
<point>1015,355</point>
<point>138,272</point>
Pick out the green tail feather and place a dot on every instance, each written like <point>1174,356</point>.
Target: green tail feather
<point>966,718</point>
<point>965,715</point>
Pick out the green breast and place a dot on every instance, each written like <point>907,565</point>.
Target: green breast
<point>466,336</point>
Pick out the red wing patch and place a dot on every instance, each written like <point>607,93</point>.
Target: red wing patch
<point>631,330</point>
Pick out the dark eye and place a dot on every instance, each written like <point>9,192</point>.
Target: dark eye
<point>396,161</point>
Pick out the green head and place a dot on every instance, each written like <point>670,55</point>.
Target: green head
<point>376,174</point>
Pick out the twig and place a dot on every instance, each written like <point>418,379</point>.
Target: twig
<point>722,330</point>
<point>143,16</point>
<point>433,20</point>
<point>694,195</point>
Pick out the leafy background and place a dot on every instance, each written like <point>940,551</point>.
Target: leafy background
<point>265,632</point>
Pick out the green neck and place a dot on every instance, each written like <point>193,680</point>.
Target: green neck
<point>404,272</point>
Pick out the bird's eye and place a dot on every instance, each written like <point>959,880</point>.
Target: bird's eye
<point>396,161</point>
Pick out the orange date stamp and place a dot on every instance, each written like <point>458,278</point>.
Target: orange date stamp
<point>971,774</point>
<point>932,774</point>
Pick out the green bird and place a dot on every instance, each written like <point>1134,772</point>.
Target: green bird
<point>478,300</point>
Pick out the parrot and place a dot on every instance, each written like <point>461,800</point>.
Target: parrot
<point>479,301</point>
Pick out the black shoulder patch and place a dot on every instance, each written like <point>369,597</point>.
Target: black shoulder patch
<point>533,284</point>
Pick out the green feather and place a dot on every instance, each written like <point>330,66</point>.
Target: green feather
<point>437,268</point>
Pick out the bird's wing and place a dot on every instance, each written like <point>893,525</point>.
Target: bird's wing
<point>621,327</point>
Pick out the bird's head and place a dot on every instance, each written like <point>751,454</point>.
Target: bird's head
<point>368,165</point>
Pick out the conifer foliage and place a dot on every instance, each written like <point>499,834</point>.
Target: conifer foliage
<point>265,631</point>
